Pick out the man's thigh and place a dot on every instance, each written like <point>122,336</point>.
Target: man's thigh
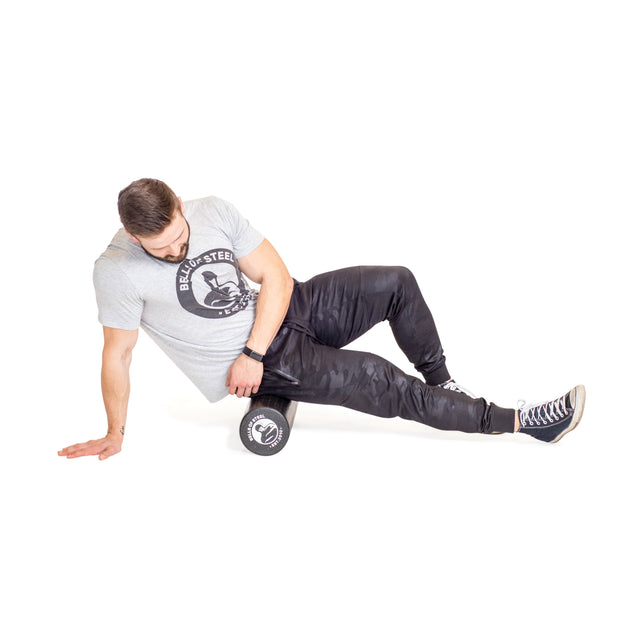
<point>300,368</point>
<point>339,306</point>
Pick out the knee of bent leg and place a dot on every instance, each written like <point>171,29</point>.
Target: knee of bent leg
<point>397,282</point>
<point>404,277</point>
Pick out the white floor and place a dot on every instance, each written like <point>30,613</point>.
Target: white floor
<point>490,148</point>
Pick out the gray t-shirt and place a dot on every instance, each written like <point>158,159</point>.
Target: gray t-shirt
<point>201,311</point>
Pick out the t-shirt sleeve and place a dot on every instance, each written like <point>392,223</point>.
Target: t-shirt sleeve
<point>243,236</point>
<point>119,304</point>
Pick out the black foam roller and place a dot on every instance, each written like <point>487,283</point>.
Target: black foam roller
<point>265,427</point>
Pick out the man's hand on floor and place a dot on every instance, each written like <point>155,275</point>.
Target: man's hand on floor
<point>103,448</point>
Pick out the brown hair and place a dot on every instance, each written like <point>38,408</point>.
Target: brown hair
<point>147,207</point>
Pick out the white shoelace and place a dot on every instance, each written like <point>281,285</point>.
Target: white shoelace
<point>452,385</point>
<point>542,413</point>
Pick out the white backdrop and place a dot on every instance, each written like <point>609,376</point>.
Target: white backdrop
<point>492,148</point>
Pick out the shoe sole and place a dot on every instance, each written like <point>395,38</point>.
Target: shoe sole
<point>581,395</point>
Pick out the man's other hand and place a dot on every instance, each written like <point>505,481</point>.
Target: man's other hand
<point>245,376</point>
<point>103,448</point>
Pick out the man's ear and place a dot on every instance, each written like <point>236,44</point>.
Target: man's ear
<point>134,239</point>
<point>181,204</point>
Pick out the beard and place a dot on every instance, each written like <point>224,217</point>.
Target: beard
<point>184,249</point>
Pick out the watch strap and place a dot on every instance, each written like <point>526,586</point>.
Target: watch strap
<point>254,355</point>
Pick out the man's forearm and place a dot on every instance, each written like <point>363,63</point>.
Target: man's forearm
<point>115,390</point>
<point>273,302</point>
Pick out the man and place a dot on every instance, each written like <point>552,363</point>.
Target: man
<point>177,269</point>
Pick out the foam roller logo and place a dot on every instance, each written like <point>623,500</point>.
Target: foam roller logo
<point>211,285</point>
<point>264,431</point>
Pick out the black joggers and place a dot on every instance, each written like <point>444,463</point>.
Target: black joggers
<point>307,362</point>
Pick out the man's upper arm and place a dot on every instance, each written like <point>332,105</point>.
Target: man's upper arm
<point>119,303</point>
<point>119,341</point>
<point>263,261</point>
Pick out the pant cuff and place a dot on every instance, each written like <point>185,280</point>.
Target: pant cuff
<point>437,376</point>
<point>501,420</point>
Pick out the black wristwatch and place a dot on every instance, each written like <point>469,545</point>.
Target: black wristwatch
<point>254,355</point>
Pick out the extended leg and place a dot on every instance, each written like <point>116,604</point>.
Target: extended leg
<point>300,368</point>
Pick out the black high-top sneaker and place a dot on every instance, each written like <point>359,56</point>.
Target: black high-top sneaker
<point>549,421</point>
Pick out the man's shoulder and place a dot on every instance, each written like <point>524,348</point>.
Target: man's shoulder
<point>122,259</point>
<point>206,201</point>
<point>209,208</point>
<point>120,249</point>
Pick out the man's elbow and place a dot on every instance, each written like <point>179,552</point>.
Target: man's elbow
<point>288,284</point>
<point>280,279</point>
<point>117,356</point>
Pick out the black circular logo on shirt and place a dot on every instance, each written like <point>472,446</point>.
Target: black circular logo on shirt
<point>211,285</point>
